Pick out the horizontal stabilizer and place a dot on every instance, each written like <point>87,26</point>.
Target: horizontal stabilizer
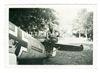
<point>69,47</point>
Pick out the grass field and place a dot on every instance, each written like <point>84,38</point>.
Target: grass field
<point>84,57</point>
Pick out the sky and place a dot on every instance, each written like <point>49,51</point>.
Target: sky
<point>67,13</point>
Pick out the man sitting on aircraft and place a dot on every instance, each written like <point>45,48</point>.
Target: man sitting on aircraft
<point>51,40</point>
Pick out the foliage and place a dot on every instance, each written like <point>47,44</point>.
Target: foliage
<point>32,18</point>
<point>84,22</point>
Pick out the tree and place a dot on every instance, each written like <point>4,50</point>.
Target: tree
<point>84,22</point>
<point>29,19</point>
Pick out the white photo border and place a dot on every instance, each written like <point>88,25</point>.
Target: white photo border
<point>49,66</point>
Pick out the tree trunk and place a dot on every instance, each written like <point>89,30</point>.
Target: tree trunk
<point>79,34</point>
<point>86,33</point>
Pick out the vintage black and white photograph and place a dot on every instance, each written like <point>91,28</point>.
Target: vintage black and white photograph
<point>51,35</point>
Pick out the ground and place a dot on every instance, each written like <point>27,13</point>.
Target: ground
<point>84,57</point>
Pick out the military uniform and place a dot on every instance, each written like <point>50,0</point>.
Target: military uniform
<point>50,42</point>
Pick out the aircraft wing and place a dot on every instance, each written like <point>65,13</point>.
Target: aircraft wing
<point>66,46</point>
<point>69,47</point>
